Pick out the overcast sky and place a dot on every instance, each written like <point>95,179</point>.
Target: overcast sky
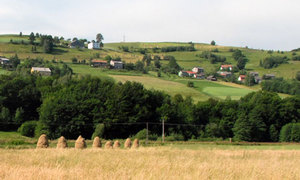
<point>267,24</point>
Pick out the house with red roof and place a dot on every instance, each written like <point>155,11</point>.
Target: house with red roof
<point>242,78</point>
<point>98,63</point>
<point>226,67</point>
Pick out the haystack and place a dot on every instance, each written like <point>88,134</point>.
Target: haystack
<point>80,143</point>
<point>108,145</point>
<point>43,141</point>
<point>127,143</point>
<point>97,142</point>
<point>136,143</point>
<point>62,143</point>
<point>116,145</point>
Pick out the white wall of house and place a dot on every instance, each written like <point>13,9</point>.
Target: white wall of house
<point>94,45</point>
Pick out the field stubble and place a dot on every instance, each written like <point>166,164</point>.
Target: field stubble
<point>149,163</point>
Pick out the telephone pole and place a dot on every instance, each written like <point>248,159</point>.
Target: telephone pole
<point>163,130</point>
<point>147,133</point>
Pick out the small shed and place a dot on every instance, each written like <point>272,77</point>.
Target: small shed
<point>41,70</point>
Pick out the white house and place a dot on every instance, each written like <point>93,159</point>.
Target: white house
<point>117,64</point>
<point>4,60</point>
<point>41,70</point>
<point>198,70</point>
<point>94,45</point>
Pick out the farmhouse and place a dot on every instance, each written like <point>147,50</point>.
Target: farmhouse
<point>98,63</point>
<point>268,76</point>
<point>183,74</point>
<point>225,74</point>
<point>254,74</point>
<point>4,61</point>
<point>242,78</point>
<point>199,76</point>
<point>94,45</point>
<point>257,79</point>
<point>226,67</point>
<point>117,64</point>
<point>76,44</point>
<point>198,70</point>
<point>41,70</point>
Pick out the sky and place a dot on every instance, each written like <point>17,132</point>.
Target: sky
<point>259,24</point>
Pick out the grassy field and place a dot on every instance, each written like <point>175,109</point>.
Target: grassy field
<point>174,160</point>
<point>149,163</point>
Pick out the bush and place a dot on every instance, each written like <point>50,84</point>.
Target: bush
<point>41,129</point>
<point>142,134</point>
<point>99,131</point>
<point>290,133</point>
<point>28,128</point>
<point>174,137</point>
<point>190,84</point>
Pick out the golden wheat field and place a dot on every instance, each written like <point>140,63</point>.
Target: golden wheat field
<point>149,163</point>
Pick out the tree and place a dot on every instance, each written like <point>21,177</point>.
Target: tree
<point>99,37</point>
<point>20,34</point>
<point>237,54</point>
<point>31,38</point>
<point>241,63</point>
<point>213,43</point>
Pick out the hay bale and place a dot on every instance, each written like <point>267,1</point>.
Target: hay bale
<point>127,143</point>
<point>97,142</point>
<point>80,143</point>
<point>43,142</point>
<point>136,143</point>
<point>116,145</point>
<point>108,145</point>
<point>62,143</point>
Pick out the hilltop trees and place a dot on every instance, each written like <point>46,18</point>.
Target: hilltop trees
<point>47,43</point>
<point>31,38</point>
<point>213,43</point>
<point>100,38</point>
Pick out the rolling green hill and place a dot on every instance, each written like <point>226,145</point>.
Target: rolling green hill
<point>170,84</point>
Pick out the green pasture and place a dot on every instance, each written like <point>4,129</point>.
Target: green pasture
<point>14,140</point>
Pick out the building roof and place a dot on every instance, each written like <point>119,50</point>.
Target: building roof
<point>117,62</point>
<point>4,59</point>
<point>99,61</point>
<point>40,69</point>
<point>226,65</point>
<point>223,73</point>
<point>242,76</point>
<point>191,72</point>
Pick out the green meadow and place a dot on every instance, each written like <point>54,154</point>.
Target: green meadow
<point>170,84</point>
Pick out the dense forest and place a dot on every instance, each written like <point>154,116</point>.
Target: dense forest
<point>72,105</point>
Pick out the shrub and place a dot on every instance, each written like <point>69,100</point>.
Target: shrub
<point>142,134</point>
<point>28,128</point>
<point>174,137</point>
<point>290,133</point>
<point>40,129</point>
<point>190,84</point>
<point>99,131</point>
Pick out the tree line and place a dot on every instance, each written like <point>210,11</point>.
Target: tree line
<point>73,105</point>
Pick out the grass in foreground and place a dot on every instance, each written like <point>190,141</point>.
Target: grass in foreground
<point>149,163</point>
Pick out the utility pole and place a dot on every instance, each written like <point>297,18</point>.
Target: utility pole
<point>147,133</point>
<point>163,130</point>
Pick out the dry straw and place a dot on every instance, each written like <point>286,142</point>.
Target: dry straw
<point>136,143</point>
<point>127,143</point>
<point>116,144</point>
<point>80,143</point>
<point>97,142</point>
<point>108,145</point>
<point>43,141</point>
<point>62,143</point>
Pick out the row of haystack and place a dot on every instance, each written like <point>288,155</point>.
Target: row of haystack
<point>81,144</point>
